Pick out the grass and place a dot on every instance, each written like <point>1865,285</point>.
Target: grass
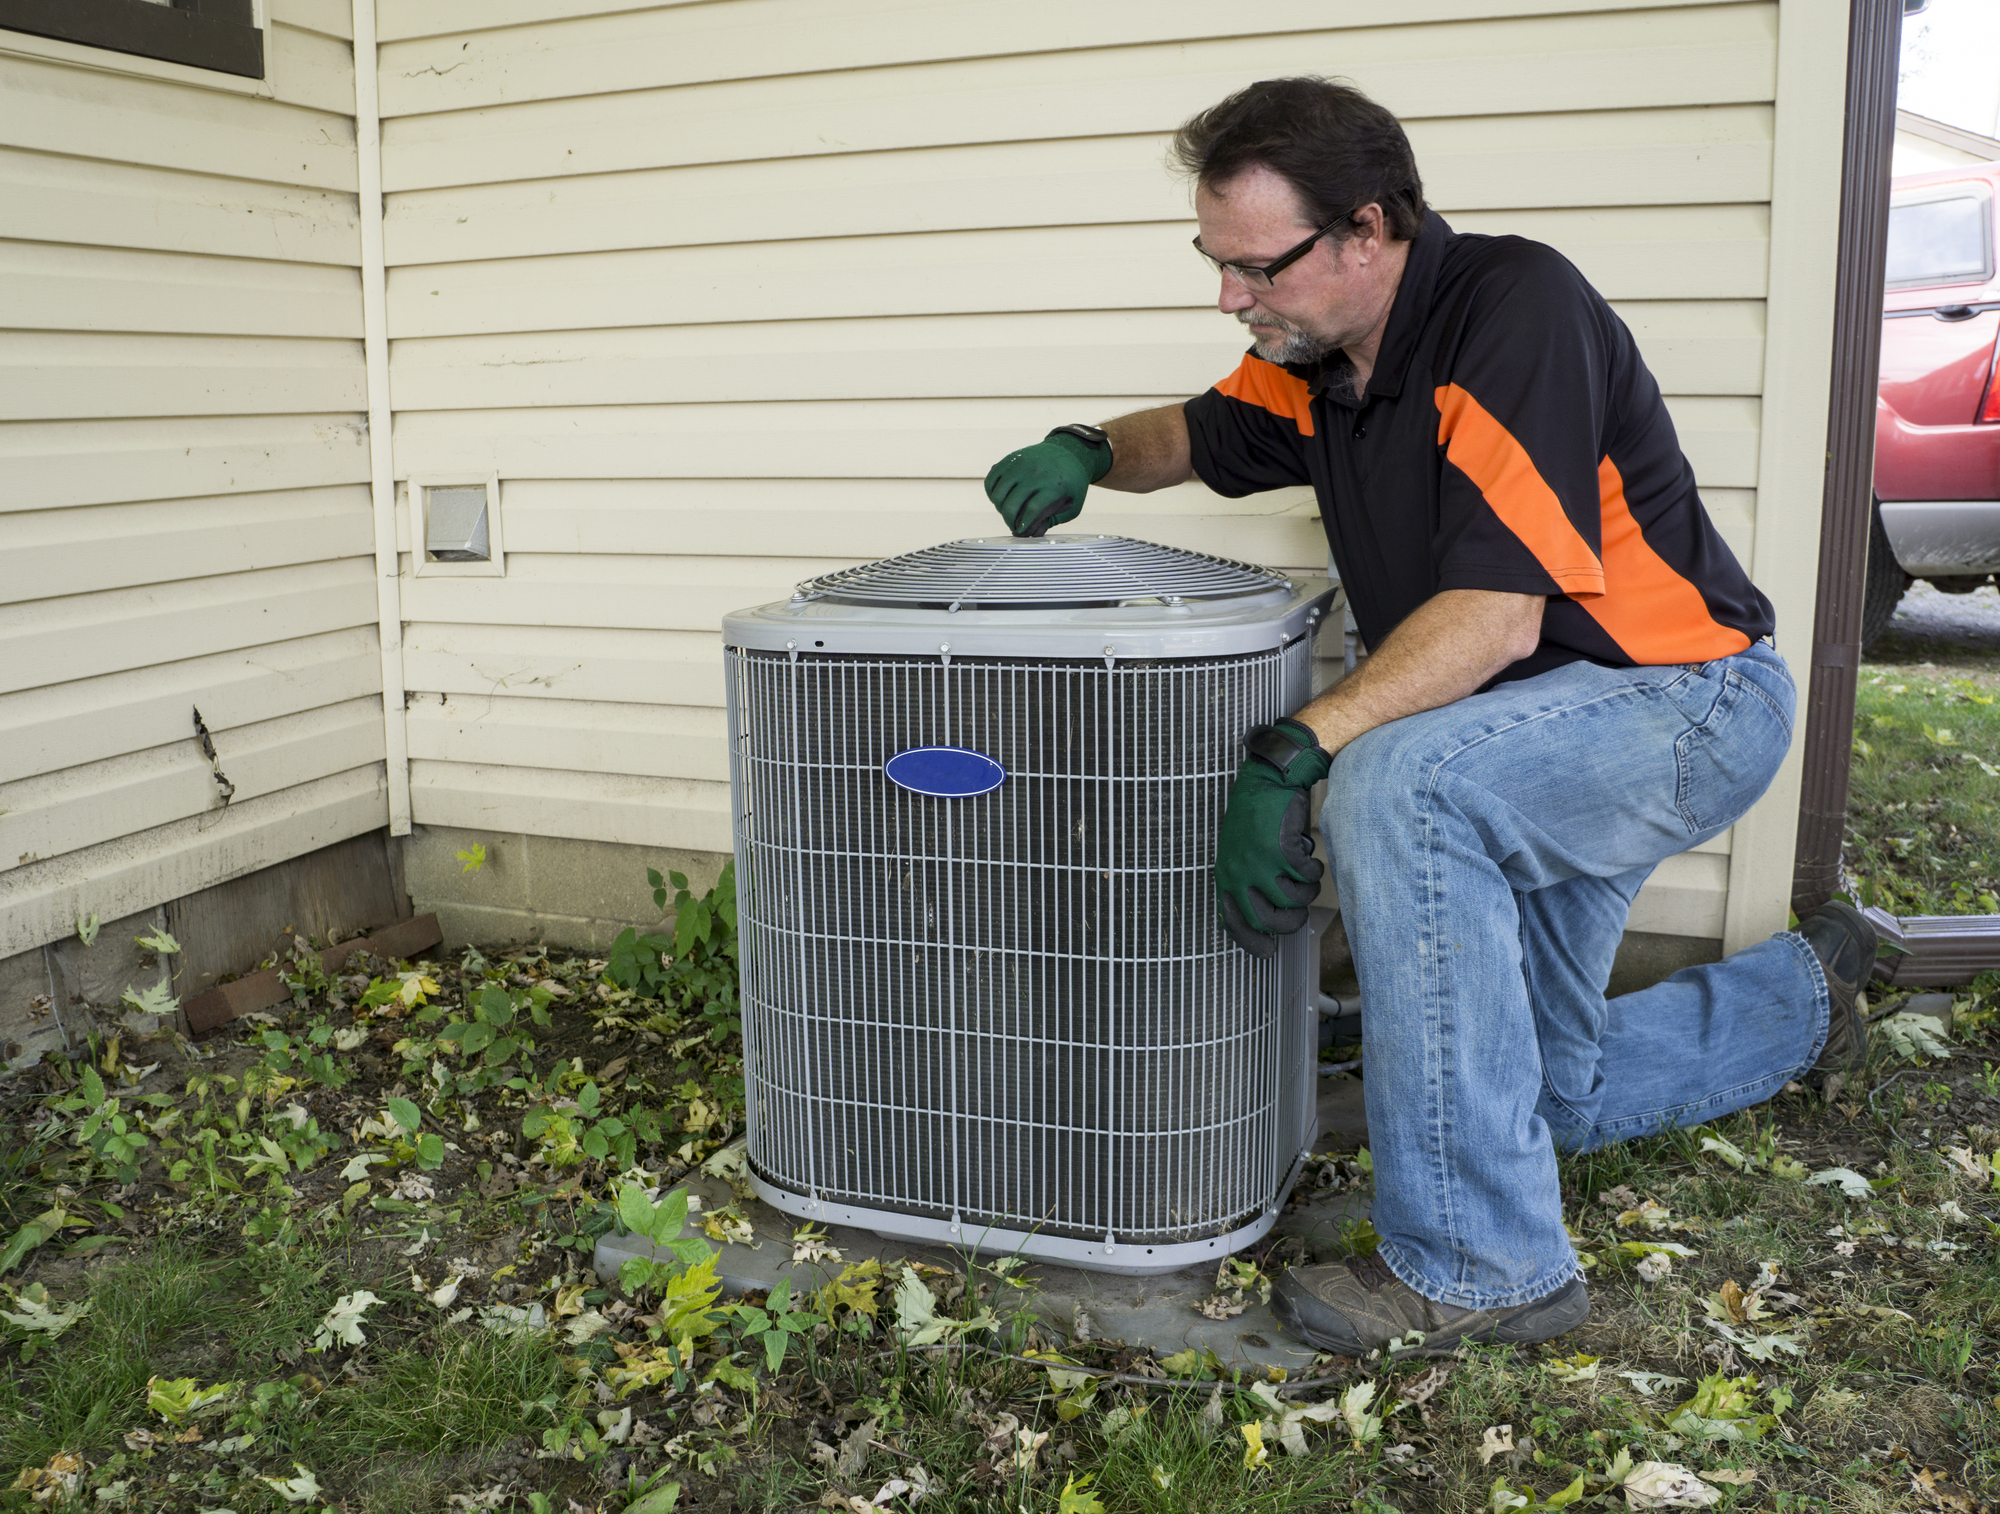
<point>141,1313</point>
<point>446,1394</point>
<point>1843,1351</point>
<point>1923,835</point>
<point>1924,793</point>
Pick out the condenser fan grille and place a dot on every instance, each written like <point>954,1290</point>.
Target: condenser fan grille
<point>1013,1009</point>
<point>1001,573</point>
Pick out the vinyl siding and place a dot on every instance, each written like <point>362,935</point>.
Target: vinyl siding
<point>185,513</point>
<point>733,294</point>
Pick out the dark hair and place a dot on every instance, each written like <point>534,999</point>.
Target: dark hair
<point>1330,142</point>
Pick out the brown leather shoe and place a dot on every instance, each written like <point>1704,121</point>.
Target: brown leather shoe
<point>1845,944</point>
<point>1353,1308</point>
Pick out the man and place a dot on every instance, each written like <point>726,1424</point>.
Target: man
<point>1569,681</point>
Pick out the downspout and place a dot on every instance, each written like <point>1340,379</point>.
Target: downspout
<point>381,438</point>
<point>1874,40</point>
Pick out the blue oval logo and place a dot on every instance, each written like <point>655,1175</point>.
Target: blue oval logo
<point>945,772</point>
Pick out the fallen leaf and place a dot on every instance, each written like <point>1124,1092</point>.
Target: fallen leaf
<point>1913,1036</point>
<point>1498,1441</point>
<point>1421,1389</point>
<point>1852,1183</point>
<point>342,1325</point>
<point>1573,1369</point>
<point>1255,1452</point>
<point>1667,1485</point>
<point>35,1312</point>
<point>853,1457</point>
<point>1031,1442</point>
<point>57,1479</point>
<point>301,1489</point>
<point>1736,1477</point>
<point>1650,1383</point>
<point>1648,1214</point>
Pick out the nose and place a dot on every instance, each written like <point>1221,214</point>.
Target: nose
<point>1234,296</point>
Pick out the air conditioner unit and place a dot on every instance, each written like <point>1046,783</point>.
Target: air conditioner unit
<point>986,1000</point>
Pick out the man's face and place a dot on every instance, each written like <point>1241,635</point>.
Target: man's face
<point>1324,300</point>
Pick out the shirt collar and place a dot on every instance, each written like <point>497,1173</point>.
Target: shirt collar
<point>1406,319</point>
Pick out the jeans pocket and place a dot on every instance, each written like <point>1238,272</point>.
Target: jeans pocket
<point>1726,760</point>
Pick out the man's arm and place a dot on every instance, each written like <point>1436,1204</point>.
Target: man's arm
<point>1149,450</point>
<point>1450,645</point>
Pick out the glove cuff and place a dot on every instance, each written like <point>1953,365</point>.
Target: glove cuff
<point>1094,454</point>
<point>1290,747</point>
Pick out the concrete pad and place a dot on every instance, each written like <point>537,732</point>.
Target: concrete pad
<point>1158,1313</point>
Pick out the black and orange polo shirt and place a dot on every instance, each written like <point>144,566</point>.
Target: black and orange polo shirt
<point>1511,439</point>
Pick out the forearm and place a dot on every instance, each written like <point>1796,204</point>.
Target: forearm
<point>1149,450</point>
<point>1448,647</point>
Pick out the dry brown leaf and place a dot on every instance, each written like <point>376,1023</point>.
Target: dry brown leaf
<point>1421,1389</point>
<point>853,1457</point>
<point>1933,1494</point>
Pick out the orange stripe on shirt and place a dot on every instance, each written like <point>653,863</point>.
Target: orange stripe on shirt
<point>1269,387</point>
<point>1651,611</point>
<point>1499,466</point>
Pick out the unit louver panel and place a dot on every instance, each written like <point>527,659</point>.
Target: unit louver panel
<point>1014,1008</point>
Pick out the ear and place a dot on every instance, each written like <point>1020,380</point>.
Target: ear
<point>1371,230</point>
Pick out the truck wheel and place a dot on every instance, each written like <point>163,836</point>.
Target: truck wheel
<point>1883,588</point>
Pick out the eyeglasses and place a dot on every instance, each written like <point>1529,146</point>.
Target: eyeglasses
<point>1253,276</point>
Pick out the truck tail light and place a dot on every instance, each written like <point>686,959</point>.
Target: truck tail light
<point>1990,409</point>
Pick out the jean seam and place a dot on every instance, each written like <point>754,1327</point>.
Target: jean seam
<point>1821,995</point>
<point>1771,704</point>
<point>1433,1021</point>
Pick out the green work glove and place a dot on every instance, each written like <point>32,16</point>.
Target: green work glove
<point>1265,871</point>
<point>1044,485</point>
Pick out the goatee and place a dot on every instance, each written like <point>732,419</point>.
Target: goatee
<point>1296,345</point>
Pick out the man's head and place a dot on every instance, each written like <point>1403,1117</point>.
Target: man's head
<point>1278,162</point>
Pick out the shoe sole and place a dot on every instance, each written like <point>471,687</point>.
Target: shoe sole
<point>1845,1001</point>
<point>1556,1314</point>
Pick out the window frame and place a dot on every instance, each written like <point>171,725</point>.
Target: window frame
<point>1976,190</point>
<point>219,36</point>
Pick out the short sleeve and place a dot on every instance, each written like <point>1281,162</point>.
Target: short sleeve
<point>1522,421</point>
<point>1248,433</point>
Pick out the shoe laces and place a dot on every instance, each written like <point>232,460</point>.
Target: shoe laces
<point>1372,1272</point>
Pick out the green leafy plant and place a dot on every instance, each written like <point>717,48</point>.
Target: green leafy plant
<point>112,1137</point>
<point>425,1145</point>
<point>695,970</point>
<point>490,1044</point>
<point>775,1323</point>
<point>594,1132</point>
<point>308,1058</point>
<point>661,1223</point>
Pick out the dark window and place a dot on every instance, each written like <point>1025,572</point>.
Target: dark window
<point>217,34</point>
<point>1940,236</point>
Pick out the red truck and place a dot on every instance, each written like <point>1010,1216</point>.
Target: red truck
<point>1937,410</point>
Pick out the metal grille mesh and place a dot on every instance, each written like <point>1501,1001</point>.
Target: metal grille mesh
<point>1016,1008</point>
<point>1002,572</point>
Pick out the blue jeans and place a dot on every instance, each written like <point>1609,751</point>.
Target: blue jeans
<point>1487,854</point>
